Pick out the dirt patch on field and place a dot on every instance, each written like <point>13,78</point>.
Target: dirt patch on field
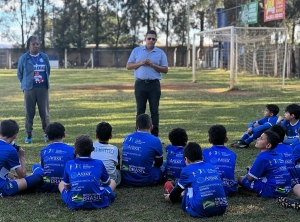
<point>206,89</point>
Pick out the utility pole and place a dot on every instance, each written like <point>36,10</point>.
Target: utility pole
<point>188,34</point>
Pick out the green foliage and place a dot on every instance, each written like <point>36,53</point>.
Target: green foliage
<point>80,99</point>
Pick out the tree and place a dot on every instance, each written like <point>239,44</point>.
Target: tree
<point>136,18</point>
<point>203,11</point>
<point>98,22</point>
<point>63,26</point>
<point>118,30</point>
<point>168,9</point>
<point>151,14</point>
<point>17,11</point>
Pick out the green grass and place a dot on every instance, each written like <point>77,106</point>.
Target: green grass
<point>80,99</point>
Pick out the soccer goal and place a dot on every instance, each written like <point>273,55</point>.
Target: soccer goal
<point>254,50</point>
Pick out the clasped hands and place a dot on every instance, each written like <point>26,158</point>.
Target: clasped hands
<point>146,62</point>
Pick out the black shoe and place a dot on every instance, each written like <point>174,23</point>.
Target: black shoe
<point>234,143</point>
<point>289,202</point>
<point>241,144</point>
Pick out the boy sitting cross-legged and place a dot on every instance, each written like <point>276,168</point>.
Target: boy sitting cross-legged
<point>199,186</point>
<point>268,176</point>
<point>222,158</point>
<point>107,153</point>
<point>54,158</point>
<point>86,183</point>
<point>257,127</point>
<point>13,158</point>
<point>175,160</point>
<point>287,153</point>
<point>142,156</point>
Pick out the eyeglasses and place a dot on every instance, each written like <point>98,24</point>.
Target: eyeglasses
<point>153,39</point>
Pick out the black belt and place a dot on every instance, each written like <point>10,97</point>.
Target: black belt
<point>147,80</point>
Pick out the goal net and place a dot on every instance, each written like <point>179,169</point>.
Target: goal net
<point>252,50</point>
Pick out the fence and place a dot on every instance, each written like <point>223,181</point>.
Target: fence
<point>104,57</point>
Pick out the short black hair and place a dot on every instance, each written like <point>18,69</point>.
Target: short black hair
<point>193,151</point>
<point>31,38</point>
<point>84,145</point>
<point>293,109</point>
<point>178,137</point>
<point>103,131</point>
<point>280,130</point>
<point>55,131</point>
<point>9,128</point>
<point>272,138</point>
<point>217,134</point>
<point>152,32</point>
<point>274,109</point>
<point>143,122</point>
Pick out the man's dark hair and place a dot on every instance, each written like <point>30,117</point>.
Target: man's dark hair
<point>192,151</point>
<point>274,109</point>
<point>217,134</point>
<point>293,109</point>
<point>31,38</point>
<point>143,122</point>
<point>9,128</point>
<point>272,138</point>
<point>178,137</point>
<point>84,145</point>
<point>280,130</point>
<point>151,32</point>
<point>55,131</point>
<point>103,131</point>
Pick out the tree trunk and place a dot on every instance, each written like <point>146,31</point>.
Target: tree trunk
<point>43,26</point>
<point>22,26</point>
<point>96,28</point>
<point>79,26</point>
<point>201,37</point>
<point>293,59</point>
<point>148,15</point>
<point>167,31</point>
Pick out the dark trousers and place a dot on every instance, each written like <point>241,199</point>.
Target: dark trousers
<point>148,90</point>
<point>40,97</point>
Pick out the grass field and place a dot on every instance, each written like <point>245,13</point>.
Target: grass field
<point>80,99</point>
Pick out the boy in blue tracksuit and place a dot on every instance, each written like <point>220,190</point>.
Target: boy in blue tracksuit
<point>86,183</point>
<point>222,158</point>
<point>287,153</point>
<point>268,176</point>
<point>257,127</point>
<point>175,160</point>
<point>54,158</point>
<point>199,186</point>
<point>291,123</point>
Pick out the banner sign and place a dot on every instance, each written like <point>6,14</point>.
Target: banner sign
<point>249,13</point>
<point>274,10</point>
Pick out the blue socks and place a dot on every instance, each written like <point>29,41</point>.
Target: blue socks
<point>33,180</point>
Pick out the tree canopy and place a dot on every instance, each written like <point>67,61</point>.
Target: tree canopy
<point>77,23</point>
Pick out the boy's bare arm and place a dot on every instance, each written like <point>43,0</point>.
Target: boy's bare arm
<point>21,171</point>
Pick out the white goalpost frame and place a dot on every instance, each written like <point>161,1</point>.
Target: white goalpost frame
<point>233,37</point>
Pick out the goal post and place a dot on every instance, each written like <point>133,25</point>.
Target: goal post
<point>253,50</point>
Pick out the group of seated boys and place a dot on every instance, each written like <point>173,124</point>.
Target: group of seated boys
<point>201,180</point>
